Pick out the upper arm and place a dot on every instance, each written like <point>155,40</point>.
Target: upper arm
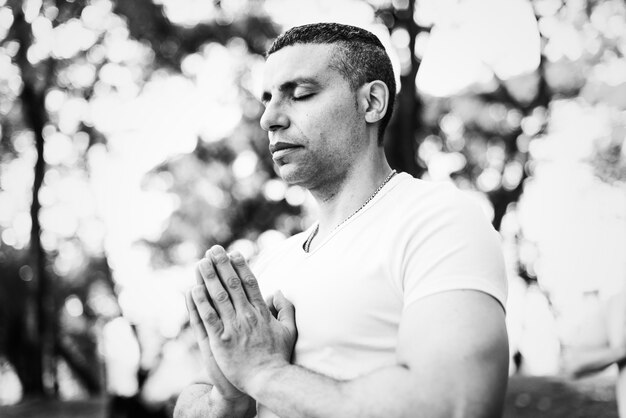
<point>455,347</point>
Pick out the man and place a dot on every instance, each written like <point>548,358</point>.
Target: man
<point>398,288</point>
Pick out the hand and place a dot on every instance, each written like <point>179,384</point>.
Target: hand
<point>244,337</point>
<point>228,392</point>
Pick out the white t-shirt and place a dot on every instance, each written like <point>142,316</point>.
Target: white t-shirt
<point>414,239</point>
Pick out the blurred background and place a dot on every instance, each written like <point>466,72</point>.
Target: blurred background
<point>130,143</point>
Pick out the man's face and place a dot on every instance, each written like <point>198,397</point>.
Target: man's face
<point>315,129</point>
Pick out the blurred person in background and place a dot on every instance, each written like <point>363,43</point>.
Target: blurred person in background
<point>593,339</point>
<point>391,305</point>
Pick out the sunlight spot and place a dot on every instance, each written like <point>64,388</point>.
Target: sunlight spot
<point>489,180</point>
<point>430,12</point>
<point>74,306</point>
<point>26,273</point>
<point>11,392</point>
<point>8,207</point>
<point>54,100</point>
<point>58,149</point>
<point>72,37</point>
<point>122,355</point>
<point>400,38</point>
<point>270,238</point>
<point>289,13</point>
<point>296,195</point>
<point>512,175</point>
<point>441,165</point>
<point>70,258</point>
<point>8,237</point>
<point>31,9</point>
<point>484,38</point>
<point>245,164</point>
<point>274,190</point>
<point>116,75</point>
<point>92,234</point>
<point>71,114</point>
<point>246,247</point>
<point>56,219</point>
<point>37,53</point>
<point>42,29</point>
<point>6,20</point>
<point>188,12</point>
<point>185,252</point>
<point>81,75</point>
<point>22,226</point>
<point>430,147</point>
<point>192,64</point>
<point>17,175</point>
<point>96,14</point>
<point>50,11</point>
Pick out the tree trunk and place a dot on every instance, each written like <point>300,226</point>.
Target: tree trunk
<point>37,370</point>
<point>401,141</point>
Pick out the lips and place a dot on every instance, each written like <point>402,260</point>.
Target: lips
<point>279,146</point>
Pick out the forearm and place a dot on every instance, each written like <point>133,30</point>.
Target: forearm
<point>620,391</point>
<point>204,400</point>
<point>392,392</point>
<point>579,362</point>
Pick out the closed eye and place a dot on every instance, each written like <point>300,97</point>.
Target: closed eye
<point>302,97</point>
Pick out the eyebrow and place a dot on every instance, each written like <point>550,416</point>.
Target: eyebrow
<point>290,86</point>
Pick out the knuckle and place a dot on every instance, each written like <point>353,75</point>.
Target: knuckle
<point>219,255</point>
<point>221,258</point>
<point>250,281</point>
<point>233,282</point>
<point>197,292</point>
<point>209,273</point>
<point>210,317</point>
<point>238,260</point>
<point>251,318</point>
<point>221,297</point>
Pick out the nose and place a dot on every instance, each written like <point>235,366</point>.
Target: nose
<point>274,118</point>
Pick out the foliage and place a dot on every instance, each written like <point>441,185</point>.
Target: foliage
<point>82,82</point>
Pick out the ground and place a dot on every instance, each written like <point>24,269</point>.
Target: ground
<point>527,397</point>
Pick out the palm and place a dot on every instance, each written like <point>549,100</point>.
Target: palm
<point>218,380</point>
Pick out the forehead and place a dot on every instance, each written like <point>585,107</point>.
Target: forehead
<point>299,61</point>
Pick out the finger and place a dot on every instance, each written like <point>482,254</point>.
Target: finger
<point>286,312</point>
<point>215,374</point>
<point>250,284</point>
<point>195,320</point>
<point>229,278</point>
<point>209,317</point>
<point>199,279</point>
<point>219,296</point>
<point>269,301</point>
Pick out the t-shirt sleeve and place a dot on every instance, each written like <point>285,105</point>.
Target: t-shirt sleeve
<point>451,246</point>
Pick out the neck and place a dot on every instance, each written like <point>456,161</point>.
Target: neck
<point>346,195</point>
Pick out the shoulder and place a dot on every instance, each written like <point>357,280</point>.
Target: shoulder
<point>444,240</point>
<point>417,201</point>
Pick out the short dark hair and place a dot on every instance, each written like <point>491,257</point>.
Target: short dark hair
<point>362,56</point>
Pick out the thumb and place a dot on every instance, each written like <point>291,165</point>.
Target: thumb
<point>286,312</point>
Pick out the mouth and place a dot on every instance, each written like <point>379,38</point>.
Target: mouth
<point>282,148</point>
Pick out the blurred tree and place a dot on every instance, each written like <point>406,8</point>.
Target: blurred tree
<point>61,54</point>
<point>403,135</point>
<point>60,60</point>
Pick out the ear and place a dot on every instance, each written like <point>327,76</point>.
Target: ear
<point>374,97</point>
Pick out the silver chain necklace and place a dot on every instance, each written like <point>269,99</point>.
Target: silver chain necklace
<point>307,243</point>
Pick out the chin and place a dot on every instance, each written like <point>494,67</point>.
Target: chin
<point>291,174</point>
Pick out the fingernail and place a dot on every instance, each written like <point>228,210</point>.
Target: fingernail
<point>203,265</point>
<point>198,291</point>
<point>236,255</point>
